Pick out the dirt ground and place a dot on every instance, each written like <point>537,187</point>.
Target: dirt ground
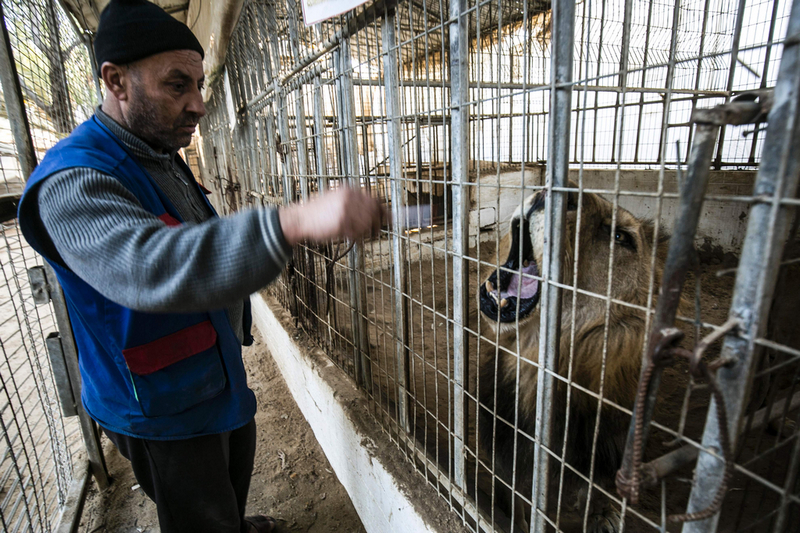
<point>292,480</point>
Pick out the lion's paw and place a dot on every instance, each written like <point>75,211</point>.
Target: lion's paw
<point>609,521</point>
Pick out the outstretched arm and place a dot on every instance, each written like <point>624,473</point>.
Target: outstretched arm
<point>106,237</point>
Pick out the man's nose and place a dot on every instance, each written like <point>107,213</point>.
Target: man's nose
<point>196,104</point>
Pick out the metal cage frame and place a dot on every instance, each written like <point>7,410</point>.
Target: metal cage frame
<point>450,111</point>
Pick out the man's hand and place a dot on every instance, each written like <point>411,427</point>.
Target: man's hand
<point>345,213</point>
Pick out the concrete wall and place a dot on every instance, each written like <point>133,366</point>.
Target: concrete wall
<point>722,224</point>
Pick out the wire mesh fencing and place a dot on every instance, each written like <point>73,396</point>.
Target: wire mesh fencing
<point>39,446</point>
<point>540,161</point>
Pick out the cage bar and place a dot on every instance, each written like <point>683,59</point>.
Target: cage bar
<point>555,213</point>
<point>350,170</point>
<point>459,127</point>
<point>399,254</point>
<point>767,230</point>
<point>14,104</point>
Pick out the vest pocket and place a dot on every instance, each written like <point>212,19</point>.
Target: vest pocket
<point>178,371</point>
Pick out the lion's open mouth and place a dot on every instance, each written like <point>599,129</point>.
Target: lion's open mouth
<point>511,291</point>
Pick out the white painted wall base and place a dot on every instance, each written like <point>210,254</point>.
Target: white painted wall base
<point>387,495</point>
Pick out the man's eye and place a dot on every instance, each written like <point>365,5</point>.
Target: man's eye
<point>178,86</point>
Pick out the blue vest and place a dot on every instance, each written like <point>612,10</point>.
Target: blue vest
<point>151,375</point>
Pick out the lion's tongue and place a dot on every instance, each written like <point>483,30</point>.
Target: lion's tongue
<point>526,287</point>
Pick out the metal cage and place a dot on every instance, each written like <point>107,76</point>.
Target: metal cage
<point>536,158</point>
<point>47,89</point>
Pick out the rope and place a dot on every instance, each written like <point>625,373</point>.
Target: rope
<point>663,355</point>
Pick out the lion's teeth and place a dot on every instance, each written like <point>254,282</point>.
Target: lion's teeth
<point>489,286</point>
<point>503,303</point>
<point>495,296</point>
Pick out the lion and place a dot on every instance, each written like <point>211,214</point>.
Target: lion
<point>509,302</point>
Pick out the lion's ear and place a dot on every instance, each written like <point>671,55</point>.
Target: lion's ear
<point>686,303</point>
<point>662,246</point>
<point>649,229</point>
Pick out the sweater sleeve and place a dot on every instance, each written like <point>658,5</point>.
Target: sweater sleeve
<point>128,255</point>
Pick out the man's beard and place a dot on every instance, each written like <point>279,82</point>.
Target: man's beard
<point>147,121</point>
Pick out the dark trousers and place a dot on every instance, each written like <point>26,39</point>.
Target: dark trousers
<point>198,484</point>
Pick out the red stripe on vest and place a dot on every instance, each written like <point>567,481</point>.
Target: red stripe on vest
<point>169,220</point>
<point>160,353</point>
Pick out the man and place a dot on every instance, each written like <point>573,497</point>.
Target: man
<point>157,286</point>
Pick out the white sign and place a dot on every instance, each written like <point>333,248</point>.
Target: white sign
<point>318,10</point>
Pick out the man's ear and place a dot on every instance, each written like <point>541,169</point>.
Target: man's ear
<point>116,79</point>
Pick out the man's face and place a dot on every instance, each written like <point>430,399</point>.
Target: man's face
<point>165,103</point>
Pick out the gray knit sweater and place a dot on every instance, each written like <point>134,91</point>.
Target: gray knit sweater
<point>101,231</point>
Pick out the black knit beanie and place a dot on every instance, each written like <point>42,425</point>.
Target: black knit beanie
<point>134,29</point>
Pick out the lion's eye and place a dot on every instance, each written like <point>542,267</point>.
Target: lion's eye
<point>622,238</point>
